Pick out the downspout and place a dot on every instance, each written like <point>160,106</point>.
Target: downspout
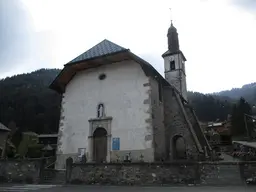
<point>180,78</point>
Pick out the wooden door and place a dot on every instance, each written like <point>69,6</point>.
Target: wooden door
<point>100,145</point>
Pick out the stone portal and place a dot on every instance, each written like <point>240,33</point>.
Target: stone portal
<point>99,139</point>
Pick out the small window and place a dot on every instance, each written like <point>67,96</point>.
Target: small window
<point>183,66</point>
<point>100,110</point>
<point>172,65</point>
<point>102,76</point>
<point>160,92</point>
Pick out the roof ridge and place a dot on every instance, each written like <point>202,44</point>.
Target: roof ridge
<point>105,47</point>
<point>3,127</point>
<point>113,43</point>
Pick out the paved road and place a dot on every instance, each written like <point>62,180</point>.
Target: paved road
<point>54,188</point>
<point>25,188</point>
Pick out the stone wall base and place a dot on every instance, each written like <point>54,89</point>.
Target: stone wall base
<point>201,173</point>
<point>19,171</point>
<point>147,155</point>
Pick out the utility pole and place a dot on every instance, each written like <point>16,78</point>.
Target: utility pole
<point>246,127</point>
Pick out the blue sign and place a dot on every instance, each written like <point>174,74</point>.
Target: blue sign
<point>116,144</point>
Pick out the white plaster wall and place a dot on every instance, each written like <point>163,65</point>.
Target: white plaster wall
<point>176,77</point>
<point>122,93</point>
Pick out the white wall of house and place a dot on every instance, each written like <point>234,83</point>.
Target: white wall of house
<point>123,94</point>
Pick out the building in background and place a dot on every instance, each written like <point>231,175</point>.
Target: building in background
<point>49,143</point>
<point>219,135</point>
<point>4,132</point>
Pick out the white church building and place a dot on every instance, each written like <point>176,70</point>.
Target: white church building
<point>115,104</point>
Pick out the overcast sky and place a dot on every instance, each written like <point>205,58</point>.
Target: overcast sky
<point>217,36</point>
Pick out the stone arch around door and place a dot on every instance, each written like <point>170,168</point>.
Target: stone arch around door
<point>178,147</point>
<point>100,145</point>
<point>99,127</point>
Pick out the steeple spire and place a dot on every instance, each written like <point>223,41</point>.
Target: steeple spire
<point>174,62</point>
<point>173,39</point>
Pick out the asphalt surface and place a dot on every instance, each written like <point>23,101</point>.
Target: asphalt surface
<point>80,188</point>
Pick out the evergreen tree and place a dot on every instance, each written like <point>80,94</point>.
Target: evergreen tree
<point>241,124</point>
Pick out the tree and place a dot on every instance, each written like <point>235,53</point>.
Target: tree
<point>29,139</point>
<point>240,124</point>
<point>29,104</point>
<point>210,107</point>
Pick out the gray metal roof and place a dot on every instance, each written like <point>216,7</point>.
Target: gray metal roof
<point>105,47</point>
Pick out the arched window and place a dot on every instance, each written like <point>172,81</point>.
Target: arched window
<point>100,110</point>
<point>172,65</point>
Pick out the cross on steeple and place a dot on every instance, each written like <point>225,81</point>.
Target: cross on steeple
<point>171,14</point>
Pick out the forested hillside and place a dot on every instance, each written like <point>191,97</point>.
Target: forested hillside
<point>247,91</point>
<point>27,101</point>
<point>211,107</point>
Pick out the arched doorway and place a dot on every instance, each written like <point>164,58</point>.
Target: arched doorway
<point>100,145</point>
<point>1,152</point>
<point>179,147</point>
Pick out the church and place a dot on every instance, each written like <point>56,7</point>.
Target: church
<point>116,106</point>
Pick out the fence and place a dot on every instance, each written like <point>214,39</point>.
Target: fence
<point>50,175</point>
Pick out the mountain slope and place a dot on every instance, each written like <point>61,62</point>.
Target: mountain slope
<point>210,107</point>
<point>247,91</point>
<point>27,100</point>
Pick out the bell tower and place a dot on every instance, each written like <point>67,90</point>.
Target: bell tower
<point>174,63</point>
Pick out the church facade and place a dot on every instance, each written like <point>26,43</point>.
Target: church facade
<point>116,106</point>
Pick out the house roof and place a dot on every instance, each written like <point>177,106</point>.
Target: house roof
<point>47,135</point>
<point>47,148</point>
<point>215,124</point>
<point>105,47</point>
<point>103,53</point>
<point>30,133</point>
<point>3,128</point>
<point>168,52</point>
<point>249,144</point>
